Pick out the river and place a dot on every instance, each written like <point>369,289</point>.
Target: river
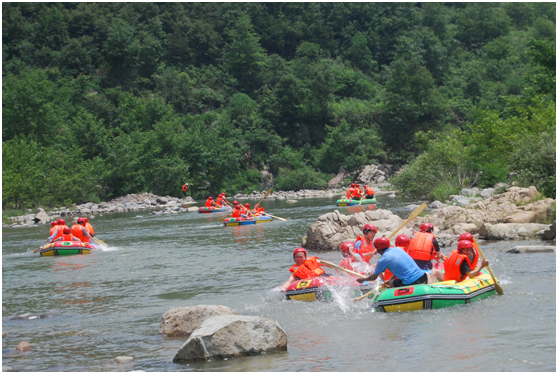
<point>111,302</point>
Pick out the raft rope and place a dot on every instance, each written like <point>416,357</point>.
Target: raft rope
<point>477,283</point>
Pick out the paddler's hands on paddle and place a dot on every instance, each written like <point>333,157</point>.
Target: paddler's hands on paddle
<point>371,277</point>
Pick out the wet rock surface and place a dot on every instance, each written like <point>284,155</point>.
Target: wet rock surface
<point>532,249</point>
<point>230,336</point>
<point>183,321</point>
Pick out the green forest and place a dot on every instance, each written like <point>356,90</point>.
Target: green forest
<point>104,99</point>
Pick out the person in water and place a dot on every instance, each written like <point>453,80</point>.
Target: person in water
<point>304,268</point>
<point>461,262</point>
<point>399,263</point>
<point>424,247</point>
<point>364,244</point>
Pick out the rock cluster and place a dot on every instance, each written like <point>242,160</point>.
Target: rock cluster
<point>371,175</point>
<point>218,332</point>
<point>512,215</point>
<point>131,202</point>
<point>282,195</point>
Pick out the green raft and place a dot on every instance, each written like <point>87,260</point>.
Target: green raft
<point>351,202</point>
<point>434,296</point>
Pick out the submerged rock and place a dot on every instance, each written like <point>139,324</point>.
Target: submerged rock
<point>532,249</point>
<point>231,336</point>
<point>23,347</point>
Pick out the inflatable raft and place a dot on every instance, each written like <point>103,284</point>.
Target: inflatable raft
<point>246,221</point>
<point>320,288</point>
<point>351,202</point>
<point>434,296</point>
<point>205,209</point>
<point>66,248</point>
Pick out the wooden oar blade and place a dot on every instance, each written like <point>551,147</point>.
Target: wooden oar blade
<point>497,287</point>
<point>417,211</point>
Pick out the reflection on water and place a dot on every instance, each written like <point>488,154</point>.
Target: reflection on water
<point>111,301</point>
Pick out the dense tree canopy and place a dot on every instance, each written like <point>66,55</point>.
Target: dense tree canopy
<point>104,99</point>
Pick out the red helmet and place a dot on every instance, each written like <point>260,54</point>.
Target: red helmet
<point>369,227</point>
<point>345,246</point>
<point>237,207</point>
<point>222,193</point>
<point>300,249</point>
<point>381,243</point>
<point>84,219</point>
<point>235,202</point>
<point>402,241</point>
<point>61,222</point>
<point>247,206</point>
<point>426,227</point>
<point>80,220</point>
<point>464,244</point>
<point>54,223</point>
<point>466,236</point>
<point>209,198</point>
<point>66,230</point>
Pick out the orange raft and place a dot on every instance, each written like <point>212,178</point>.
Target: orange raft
<point>70,248</point>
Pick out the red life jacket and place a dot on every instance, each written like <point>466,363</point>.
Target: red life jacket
<point>346,263</point>
<point>365,248</point>
<point>236,213</point>
<point>356,192</point>
<point>453,264</point>
<point>60,231</point>
<point>209,203</point>
<point>420,247</point>
<point>185,188</point>
<point>369,191</point>
<point>310,269</point>
<point>349,193</point>
<point>52,229</point>
<point>220,201</point>
<point>67,237</point>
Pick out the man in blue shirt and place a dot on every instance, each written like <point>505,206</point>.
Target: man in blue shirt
<point>400,264</point>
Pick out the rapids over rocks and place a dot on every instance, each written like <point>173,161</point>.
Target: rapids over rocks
<point>110,302</point>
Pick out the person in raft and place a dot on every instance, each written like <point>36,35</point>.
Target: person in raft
<point>58,231</point>
<point>184,189</point>
<point>349,192</point>
<point>364,244</point>
<point>79,230</point>
<point>357,192</point>
<point>237,212</point>
<point>67,236</point>
<point>304,268</point>
<point>461,262</point>
<point>259,209</point>
<point>351,259</point>
<point>400,263</point>
<point>402,241</point>
<point>368,192</point>
<point>424,247</point>
<point>209,203</point>
<point>89,227</point>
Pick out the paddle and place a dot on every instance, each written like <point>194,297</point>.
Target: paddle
<point>99,241</point>
<point>499,289</point>
<point>259,202</point>
<point>279,218</point>
<point>332,265</point>
<point>413,215</point>
<point>368,293</point>
<point>40,246</point>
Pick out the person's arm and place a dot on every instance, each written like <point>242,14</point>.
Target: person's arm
<point>356,256</point>
<point>75,239</point>
<point>371,277</point>
<point>287,283</point>
<point>53,235</point>
<point>474,273</point>
<point>436,246</point>
<point>85,232</point>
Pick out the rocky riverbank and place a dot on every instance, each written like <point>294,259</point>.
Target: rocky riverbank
<point>516,214</point>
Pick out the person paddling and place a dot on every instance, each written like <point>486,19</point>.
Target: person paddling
<point>349,192</point>
<point>80,231</point>
<point>424,247</point>
<point>402,241</point>
<point>357,193</point>
<point>304,268</point>
<point>368,192</point>
<point>89,227</point>
<point>209,203</point>
<point>351,259</point>
<point>58,231</point>
<point>66,236</point>
<point>237,212</point>
<point>364,244</point>
<point>462,263</point>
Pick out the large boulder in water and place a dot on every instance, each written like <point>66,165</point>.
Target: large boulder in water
<point>183,321</point>
<point>506,231</point>
<point>41,216</point>
<point>549,232</point>
<point>232,336</point>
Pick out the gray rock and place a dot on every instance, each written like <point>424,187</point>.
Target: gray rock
<point>504,231</point>
<point>233,336</point>
<point>7,368</point>
<point>487,192</point>
<point>123,359</point>
<point>548,233</point>
<point>183,321</point>
<point>532,249</point>
<point>338,179</point>
<point>436,205</point>
<point>411,207</point>
<point>392,196</point>
<point>470,192</point>
<point>161,200</point>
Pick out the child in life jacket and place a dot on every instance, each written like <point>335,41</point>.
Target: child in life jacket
<point>304,268</point>
<point>462,263</point>
<point>351,260</point>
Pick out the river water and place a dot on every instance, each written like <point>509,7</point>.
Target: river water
<point>111,302</point>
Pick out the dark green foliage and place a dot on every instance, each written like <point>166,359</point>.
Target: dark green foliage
<point>104,99</point>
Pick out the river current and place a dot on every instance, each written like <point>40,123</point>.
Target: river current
<point>111,302</point>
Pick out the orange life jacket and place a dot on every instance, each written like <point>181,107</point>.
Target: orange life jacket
<point>420,247</point>
<point>310,269</point>
<point>236,213</point>
<point>60,231</point>
<point>349,193</point>
<point>52,229</point>
<point>185,188</point>
<point>209,203</point>
<point>220,201</point>
<point>356,192</point>
<point>67,237</point>
<point>260,210</point>
<point>77,231</point>
<point>89,228</point>
<point>452,266</point>
<point>365,248</point>
<point>369,191</point>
